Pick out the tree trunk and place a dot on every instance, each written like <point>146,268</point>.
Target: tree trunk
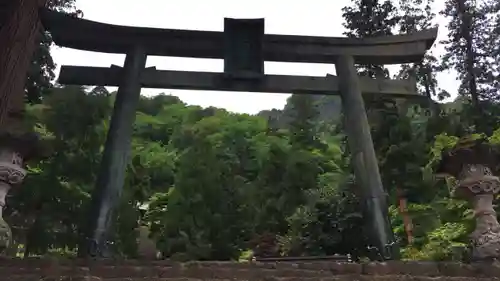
<point>18,34</point>
<point>427,79</point>
<point>466,30</point>
<point>403,211</point>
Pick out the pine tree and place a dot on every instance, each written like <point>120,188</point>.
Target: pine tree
<point>490,76</point>
<point>303,115</point>
<point>417,15</point>
<point>470,52</point>
<point>367,18</point>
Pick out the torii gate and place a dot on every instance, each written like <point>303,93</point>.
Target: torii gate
<point>244,48</point>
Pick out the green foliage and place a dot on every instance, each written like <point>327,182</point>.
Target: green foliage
<point>41,74</point>
<point>216,185</point>
<point>210,180</point>
<point>440,229</point>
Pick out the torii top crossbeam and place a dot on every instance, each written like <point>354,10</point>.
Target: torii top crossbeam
<point>76,33</point>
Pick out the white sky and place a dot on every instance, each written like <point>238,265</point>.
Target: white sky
<point>313,17</point>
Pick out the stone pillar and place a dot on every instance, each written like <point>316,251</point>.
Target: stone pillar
<point>365,163</point>
<point>115,157</point>
<point>146,246</point>
<point>11,174</point>
<point>478,185</point>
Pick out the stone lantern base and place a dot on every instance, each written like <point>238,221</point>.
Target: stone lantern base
<point>472,162</point>
<point>11,174</point>
<point>479,186</point>
<point>14,150</point>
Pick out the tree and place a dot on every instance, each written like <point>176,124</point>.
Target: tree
<point>417,15</point>
<point>41,71</point>
<point>49,205</point>
<point>203,215</point>
<point>469,51</point>
<point>368,18</point>
<point>303,115</point>
<point>281,196</point>
<point>18,34</point>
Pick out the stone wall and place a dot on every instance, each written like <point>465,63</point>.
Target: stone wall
<point>112,270</point>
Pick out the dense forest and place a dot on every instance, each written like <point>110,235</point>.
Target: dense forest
<point>212,184</point>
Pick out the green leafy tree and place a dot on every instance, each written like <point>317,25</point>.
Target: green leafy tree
<point>57,188</point>
<point>201,218</point>
<point>303,114</point>
<point>41,72</point>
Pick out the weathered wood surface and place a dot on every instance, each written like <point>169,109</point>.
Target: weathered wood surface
<point>19,28</point>
<point>364,160</point>
<point>211,81</point>
<point>243,52</point>
<point>88,35</point>
<point>111,175</point>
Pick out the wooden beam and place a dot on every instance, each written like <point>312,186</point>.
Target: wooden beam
<point>71,32</point>
<point>211,81</point>
<point>243,48</point>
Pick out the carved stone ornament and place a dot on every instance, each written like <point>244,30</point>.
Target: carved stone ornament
<point>5,235</point>
<point>477,183</point>
<point>11,171</point>
<point>471,162</point>
<point>11,174</point>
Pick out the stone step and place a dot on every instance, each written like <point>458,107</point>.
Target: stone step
<point>135,270</point>
<point>335,278</point>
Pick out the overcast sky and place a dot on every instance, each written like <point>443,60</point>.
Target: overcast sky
<point>313,17</point>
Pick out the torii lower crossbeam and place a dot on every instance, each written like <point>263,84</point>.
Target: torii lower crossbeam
<point>213,81</point>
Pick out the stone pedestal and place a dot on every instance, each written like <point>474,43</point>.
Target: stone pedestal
<point>15,148</point>
<point>472,162</point>
<point>11,174</point>
<point>146,246</point>
<point>478,185</point>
